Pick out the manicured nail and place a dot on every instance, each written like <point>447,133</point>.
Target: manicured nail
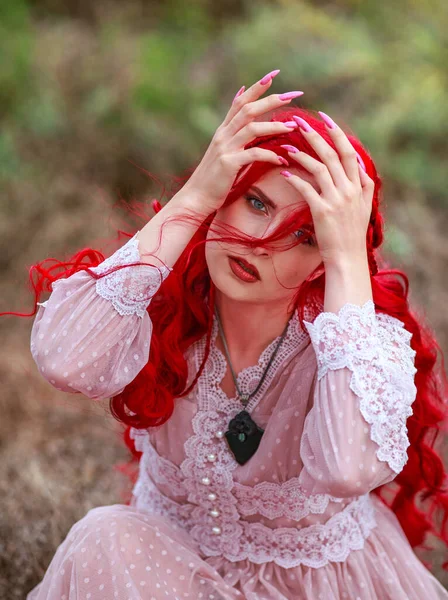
<point>303,124</point>
<point>328,120</point>
<point>290,124</point>
<point>283,161</point>
<point>239,92</point>
<point>289,148</point>
<point>286,173</point>
<point>289,95</point>
<point>267,78</point>
<point>361,162</point>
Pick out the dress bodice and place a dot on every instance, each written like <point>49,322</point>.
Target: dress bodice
<point>258,510</point>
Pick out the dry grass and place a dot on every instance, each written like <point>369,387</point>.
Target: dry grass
<point>56,463</point>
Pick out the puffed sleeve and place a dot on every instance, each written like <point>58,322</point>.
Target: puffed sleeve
<point>93,335</point>
<point>355,435</point>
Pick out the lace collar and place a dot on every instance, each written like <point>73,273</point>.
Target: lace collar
<point>248,378</point>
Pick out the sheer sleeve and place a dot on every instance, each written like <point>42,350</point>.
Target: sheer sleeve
<point>355,435</point>
<point>93,336</point>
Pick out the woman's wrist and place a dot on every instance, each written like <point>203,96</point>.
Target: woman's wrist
<point>347,280</point>
<point>192,201</point>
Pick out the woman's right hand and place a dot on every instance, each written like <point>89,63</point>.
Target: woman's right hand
<point>209,185</point>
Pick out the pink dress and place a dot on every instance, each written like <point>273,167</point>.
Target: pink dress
<point>297,521</point>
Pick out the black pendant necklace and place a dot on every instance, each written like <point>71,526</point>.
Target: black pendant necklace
<point>244,435</point>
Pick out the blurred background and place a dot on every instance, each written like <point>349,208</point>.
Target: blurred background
<point>91,93</point>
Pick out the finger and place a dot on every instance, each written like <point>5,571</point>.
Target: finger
<point>247,157</point>
<point>239,92</point>
<point>315,167</point>
<point>367,184</point>
<point>328,155</point>
<point>257,129</point>
<point>252,93</point>
<point>251,155</point>
<point>306,190</point>
<point>252,110</point>
<point>361,162</point>
<point>346,151</point>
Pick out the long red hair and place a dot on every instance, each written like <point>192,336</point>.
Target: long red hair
<point>182,312</point>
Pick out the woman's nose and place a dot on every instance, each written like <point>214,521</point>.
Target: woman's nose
<point>260,251</point>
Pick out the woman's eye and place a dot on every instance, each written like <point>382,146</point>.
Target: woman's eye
<point>250,198</point>
<point>310,241</point>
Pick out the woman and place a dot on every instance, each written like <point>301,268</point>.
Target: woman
<point>275,385</point>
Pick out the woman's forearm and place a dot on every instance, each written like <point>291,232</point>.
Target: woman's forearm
<point>175,235</point>
<point>347,280</point>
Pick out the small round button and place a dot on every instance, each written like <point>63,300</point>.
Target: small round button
<point>214,512</point>
<point>206,480</point>
<point>219,434</point>
<point>212,496</point>
<point>216,530</point>
<point>211,457</point>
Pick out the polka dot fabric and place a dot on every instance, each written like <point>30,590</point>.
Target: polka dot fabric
<point>298,520</point>
<point>116,552</point>
<point>88,338</point>
<point>119,553</point>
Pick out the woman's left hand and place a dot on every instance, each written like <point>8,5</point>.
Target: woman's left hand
<point>341,212</point>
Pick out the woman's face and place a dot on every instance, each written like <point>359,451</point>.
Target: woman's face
<point>252,215</point>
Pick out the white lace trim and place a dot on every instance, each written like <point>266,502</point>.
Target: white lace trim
<point>161,470</point>
<point>274,500</point>
<point>248,379</point>
<point>376,348</point>
<point>129,290</point>
<point>313,546</point>
<point>268,499</point>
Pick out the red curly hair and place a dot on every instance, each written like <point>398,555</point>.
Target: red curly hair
<point>182,312</point>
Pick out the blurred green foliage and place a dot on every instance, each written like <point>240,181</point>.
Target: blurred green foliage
<point>16,42</point>
<point>162,76</point>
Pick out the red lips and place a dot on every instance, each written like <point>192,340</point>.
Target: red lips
<point>247,264</point>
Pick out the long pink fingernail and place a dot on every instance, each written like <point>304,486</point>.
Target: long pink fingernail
<point>239,92</point>
<point>328,120</point>
<point>267,78</point>
<point>361,162</point>
<point>289,95</point>
<point>290,124</point>
<point>286,173</point>
<point>303,124</point>
<point>289,148</point>
<point>283,161</point>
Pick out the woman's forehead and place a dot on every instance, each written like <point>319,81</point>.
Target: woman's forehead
<point>280,191</point>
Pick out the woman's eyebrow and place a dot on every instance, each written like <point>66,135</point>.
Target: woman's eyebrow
<point>264,197</point>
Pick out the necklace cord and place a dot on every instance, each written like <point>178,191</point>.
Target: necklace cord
<point>245,398</point>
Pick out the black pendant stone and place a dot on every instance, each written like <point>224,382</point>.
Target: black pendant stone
<point>243,436</point>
